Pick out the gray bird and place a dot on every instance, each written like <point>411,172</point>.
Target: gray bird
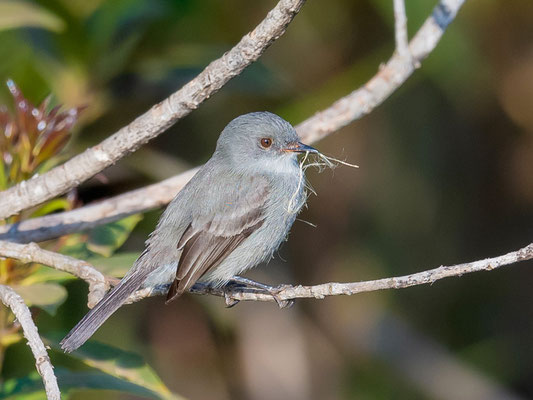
<point>232,215</point>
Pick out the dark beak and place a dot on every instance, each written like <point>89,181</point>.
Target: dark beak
<point>298,147</point>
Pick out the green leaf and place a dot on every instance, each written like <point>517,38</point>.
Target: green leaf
<point>119,364</point>
<point>19,14</point>
<point>104,240</point>
<point>31,386</point>
<point>50,207</point>
<point>75,245</point>
<point>101,241</point>
<point>115,266</point>
<point>46,274</point>
<point>48,296</point>
<point>3,177</point>
<point>10,338</point>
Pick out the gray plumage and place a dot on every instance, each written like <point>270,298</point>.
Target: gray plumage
<point>232,215</point>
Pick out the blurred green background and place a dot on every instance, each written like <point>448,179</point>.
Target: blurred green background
<point>446,176</point>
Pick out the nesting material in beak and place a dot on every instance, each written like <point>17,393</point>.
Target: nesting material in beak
<point>321,161</point>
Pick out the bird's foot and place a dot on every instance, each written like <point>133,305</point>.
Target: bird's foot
<point>227,289</point>
<point>258,287</point>
<point>282,303</point>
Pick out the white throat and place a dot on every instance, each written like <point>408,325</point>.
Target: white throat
<point>285,165</point>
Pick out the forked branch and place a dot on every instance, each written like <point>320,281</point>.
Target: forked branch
<point>344,111</point>
<point>98,284</point>
<point>400,28</point>
<point>163,115</point>
<point>156,120</point>
<point>286,292</point>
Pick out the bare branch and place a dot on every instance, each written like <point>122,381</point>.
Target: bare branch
<point>87,272</point>
<point>391,76</point>
<point>400,29</point>
<point>339,114</point>
<point>288,292</point>
<point>156,120</point>
<point>84,270</point>
<point>98,284</point>
<point>100,213</point>
<point>42,362</point>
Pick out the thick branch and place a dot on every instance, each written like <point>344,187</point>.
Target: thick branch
<point>42,361</point>
<point>98,284</point>
<point>155,121</point>
<point>341,113</point>
<point>288,292</point>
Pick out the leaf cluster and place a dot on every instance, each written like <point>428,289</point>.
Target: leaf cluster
<point>32,139</point>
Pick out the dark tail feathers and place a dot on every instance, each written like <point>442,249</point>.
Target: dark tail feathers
<point>102,311</point>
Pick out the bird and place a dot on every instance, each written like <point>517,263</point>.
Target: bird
<point>231,216</point>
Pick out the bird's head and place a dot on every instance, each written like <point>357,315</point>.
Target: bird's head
<point>261,141</point>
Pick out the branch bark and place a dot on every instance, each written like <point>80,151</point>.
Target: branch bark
<point>155,121</point>
<point>389,78</point>
<point>344,111</point>
<point>288,292</point>
<point>42,362</point>
<point>98,284</point>
<point>400,29</point>
<point>84,270</point>
<point>100,213</point>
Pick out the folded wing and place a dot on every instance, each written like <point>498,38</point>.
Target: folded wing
<point>209,239</point>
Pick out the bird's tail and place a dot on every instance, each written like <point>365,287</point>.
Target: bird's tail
<point>102,311</point>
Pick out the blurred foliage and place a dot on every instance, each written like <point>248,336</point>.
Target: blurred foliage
<point>30,387</point>
<point>31,141</point>
<point>446,177</point>
<point>18,14</point>
<point>120,364</point>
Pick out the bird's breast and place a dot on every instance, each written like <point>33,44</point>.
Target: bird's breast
<point>288,194</point>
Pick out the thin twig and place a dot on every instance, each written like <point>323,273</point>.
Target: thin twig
<point>400,29</point>
<point>98,284</point>
<point>33,253</point>
<point>339,114</point>
<point>42,362</point>
<point>156,120</point>
<point>288,292</point>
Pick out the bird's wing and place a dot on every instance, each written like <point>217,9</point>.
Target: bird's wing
<point>209,239</point>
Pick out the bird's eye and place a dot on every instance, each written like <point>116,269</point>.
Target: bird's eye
<point>266,143</point>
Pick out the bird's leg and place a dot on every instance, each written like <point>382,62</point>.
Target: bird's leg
<point>204,288</point>
<point>226,289</point>
<point>246,283</point>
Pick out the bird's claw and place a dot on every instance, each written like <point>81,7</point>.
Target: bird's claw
<point>282,303</point>
<point>228,299</point>
<point>244,283</point>
<point>230,302</point>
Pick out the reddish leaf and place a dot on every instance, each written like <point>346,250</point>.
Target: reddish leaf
<point>33,135</point>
